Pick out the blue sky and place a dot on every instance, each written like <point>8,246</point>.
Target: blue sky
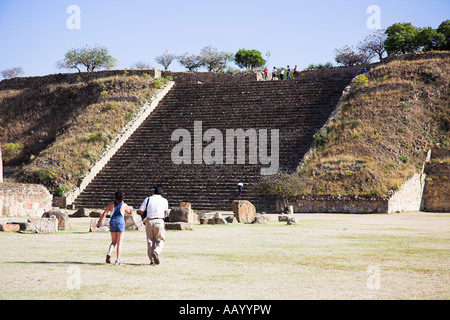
<point>34,34</point>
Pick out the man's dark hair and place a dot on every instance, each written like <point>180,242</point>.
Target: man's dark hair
<point>157,189</point>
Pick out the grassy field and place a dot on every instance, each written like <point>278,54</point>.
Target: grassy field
<point>323,256</point>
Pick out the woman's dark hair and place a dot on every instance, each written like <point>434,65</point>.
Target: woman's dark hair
<point>119,196</point>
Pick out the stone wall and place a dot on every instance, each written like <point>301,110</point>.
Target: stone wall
<point>436,196</point>
<point>213,77</point>
<point>24,200</point>
<point>333,204</point>
<point>407,198</point>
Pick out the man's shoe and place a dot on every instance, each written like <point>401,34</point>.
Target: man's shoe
<point>155,257</point>
<point>108,258</point>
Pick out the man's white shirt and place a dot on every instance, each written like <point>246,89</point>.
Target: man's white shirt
<point>156,206</point>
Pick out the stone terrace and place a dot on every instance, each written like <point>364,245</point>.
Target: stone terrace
<point>297,108</point>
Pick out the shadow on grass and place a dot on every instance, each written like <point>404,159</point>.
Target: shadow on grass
<point>77,262</point>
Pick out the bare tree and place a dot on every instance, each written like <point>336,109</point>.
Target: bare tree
<point>214,60</point>
<point>190,61</point>
<point>374,44</point>
<point>141,65</point>
<point>165,59</point>
<point>347,56</point>
<point>12,73</point>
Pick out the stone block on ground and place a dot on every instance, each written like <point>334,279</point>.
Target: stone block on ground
<point>284,217</point>
<point>81,213</point>
<point>244,211</point>
<point>231,219</point>
<point>178,225</point>
<point>181,214</point>
<point>133,222</point>
<point>104,227</point>
<point>204,219</point>
<point>95,214</point>
<point>43,225</point>
<point>218,219</point>
<point>260,219</point>
<point>9,227</point>
<point>63,218</point>
<point>185,204</point>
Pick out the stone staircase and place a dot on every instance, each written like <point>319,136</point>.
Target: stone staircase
<point>297,108</point>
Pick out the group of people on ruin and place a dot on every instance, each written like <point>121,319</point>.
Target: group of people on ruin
<point>280,74</point>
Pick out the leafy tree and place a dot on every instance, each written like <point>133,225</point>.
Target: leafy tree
<point>374,44</point>
<point>249,59</point>
<point>214,60</point>
<point>12,73</point>
<point>91,57</point>
<point>444,28</point>
<point>284,186</point>
<point>347,56</point>
<point>165,59</point>
<point>430,39</point>
<point>190,61</point>
<point>401,38</point>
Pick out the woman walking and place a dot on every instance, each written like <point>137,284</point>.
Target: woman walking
<point>116,224</point>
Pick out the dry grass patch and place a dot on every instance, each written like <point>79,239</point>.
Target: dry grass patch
<point>64,128</point>
<point>382,132</point>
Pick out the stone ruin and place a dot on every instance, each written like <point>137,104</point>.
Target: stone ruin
<point>243,212</point>
<point>50,222</point>
<point>178,218</point>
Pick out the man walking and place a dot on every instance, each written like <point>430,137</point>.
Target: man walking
<point>240,185</point>
<point>156,207</point>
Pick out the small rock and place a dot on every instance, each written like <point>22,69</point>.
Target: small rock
<point>81,213</point>
<point>260,219</point>
<point>231,219</point>
<point>291,221</point>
